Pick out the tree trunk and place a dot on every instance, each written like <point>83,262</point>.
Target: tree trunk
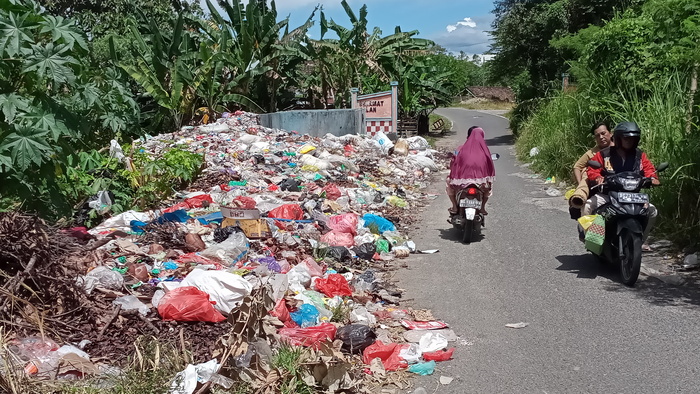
<point>691,98</point>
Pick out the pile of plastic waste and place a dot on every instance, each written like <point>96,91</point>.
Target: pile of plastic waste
<point>286,239</point>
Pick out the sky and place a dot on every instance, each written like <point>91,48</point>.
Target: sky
<point>458,25</point>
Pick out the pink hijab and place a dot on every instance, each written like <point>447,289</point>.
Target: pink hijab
<point>473,163</point>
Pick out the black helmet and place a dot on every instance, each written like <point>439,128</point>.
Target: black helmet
<point>627,129</point>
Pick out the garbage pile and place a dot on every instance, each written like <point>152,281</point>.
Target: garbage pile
<point>284,240</point>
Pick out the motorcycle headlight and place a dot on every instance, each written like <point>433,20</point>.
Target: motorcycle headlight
<point>630,184</point>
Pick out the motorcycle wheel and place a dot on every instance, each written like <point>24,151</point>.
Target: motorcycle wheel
<point>632,262</point>
<point>467,231</point>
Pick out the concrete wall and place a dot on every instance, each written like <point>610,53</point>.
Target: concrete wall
<point>317,123</point>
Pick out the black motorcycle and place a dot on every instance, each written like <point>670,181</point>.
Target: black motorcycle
<point>469,218</point>
<point>625,220</point>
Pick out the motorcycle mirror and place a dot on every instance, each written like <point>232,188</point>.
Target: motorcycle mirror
<point>594,164</point>
<point>662,167</point>
<point>495,156</point>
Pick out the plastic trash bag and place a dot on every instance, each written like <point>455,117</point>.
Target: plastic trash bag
<point>310,337</point>
<point>379,222</point>
<point>103,277</point>
<point>313,267</point>
<point>388,353</point>
<point>244,202</point>
<point>230,251</point>
<point>287,211</point>
<point>418,143</point>
<point>356,337</point>
<point>384,142</point>
<point>334,285</point>
<point>299,278</point>
<point>365,251</point>
<point>339,253</point>
<point>226,289</point>
<point>335,238</point>
<point>130,303</point>
<point>411,354</point>
<point>440,355</point>
<point>423,368</point>
<point>306,316</point>
<point>432,342</point>
<point>345,223</point>
<point>332,191</point>
<point>281,311</point>
<point>401,147</point>
<point>187,303</point>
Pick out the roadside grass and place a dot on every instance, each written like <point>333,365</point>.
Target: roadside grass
<point>485,104</point>
<point>560,129</point>
<point>447,124</point>
<point>290,360</point>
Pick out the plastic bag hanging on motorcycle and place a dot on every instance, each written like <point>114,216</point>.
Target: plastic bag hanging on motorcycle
<point>595,235</point>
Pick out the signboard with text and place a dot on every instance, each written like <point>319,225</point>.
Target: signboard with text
<point>380,109</point>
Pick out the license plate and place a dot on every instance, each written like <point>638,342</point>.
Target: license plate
<point>633,198</point>
<point>469,203</point>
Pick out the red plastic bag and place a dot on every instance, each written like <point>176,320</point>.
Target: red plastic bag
<point>334,285</point>
<point>311,336</point>
<point>336,238</point>
<point>287,211</point>
<point>195,258</point>
<point>389,354</point>
<point>198,201</point>
<point>177,207</point>
<point>332,191</point>
<point>345,223</point>
<point>244,202</point>
<point>440,355</point>
<point>188,303</point>
<point>281,312</point>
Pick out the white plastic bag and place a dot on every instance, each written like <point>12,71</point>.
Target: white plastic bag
<point>432,342</point>
<point>227,289</point>
<point>384,142</point>
<point>411,354</point>
<point>230,251</point>
<point>130,303</point>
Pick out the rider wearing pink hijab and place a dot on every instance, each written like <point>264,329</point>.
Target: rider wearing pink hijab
<point>473,164</point>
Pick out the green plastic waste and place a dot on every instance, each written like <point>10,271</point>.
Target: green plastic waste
<point>382,245</point>
<point>238,183</point>
<point>397,201</point>
<point>423,368</point>
<point>120,270</point>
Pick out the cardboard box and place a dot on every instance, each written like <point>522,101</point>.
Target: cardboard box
<point>238,213</point>
<point>253,228</point>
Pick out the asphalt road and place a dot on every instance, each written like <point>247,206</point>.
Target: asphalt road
<point>587,332</point>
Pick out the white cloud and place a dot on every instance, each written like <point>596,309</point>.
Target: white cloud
<point>468,22</point>
<point>468,35</point>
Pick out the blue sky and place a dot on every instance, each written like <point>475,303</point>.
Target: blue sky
<point>456,25</point>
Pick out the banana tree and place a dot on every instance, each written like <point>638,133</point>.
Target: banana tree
<point>162,67</point>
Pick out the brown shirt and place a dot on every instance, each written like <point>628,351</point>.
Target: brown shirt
<point>582,163</point>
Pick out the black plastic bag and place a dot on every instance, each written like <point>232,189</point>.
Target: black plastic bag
<point>355,337</point>
<point>222,234</point>
<point>365,251</point>
<point>340,253</point>
<point>289,185</point>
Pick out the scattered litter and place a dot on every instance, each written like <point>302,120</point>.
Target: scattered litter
<point>426,368</point>
<point>517,325</point>
<point>445,380</point>
<point>423,325</point>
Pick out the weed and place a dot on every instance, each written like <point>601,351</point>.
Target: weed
<point>290,360</point>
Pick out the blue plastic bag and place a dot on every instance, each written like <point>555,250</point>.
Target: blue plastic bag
<point>381,223</point>
<point>306,316</point>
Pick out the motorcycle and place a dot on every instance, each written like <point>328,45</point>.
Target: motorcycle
<point>625,220</point>
<point>469,218</point>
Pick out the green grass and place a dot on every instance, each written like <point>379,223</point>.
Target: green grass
<point>290,359</point>
<point>432,118</point>
<point>561,130</point>
<point>485,105</point>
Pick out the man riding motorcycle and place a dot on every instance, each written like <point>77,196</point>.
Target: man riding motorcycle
<point>623,156</point>
<point>603,139</point>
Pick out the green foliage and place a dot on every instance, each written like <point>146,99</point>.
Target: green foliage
<point>53,104</point>
<point>289,360</point>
